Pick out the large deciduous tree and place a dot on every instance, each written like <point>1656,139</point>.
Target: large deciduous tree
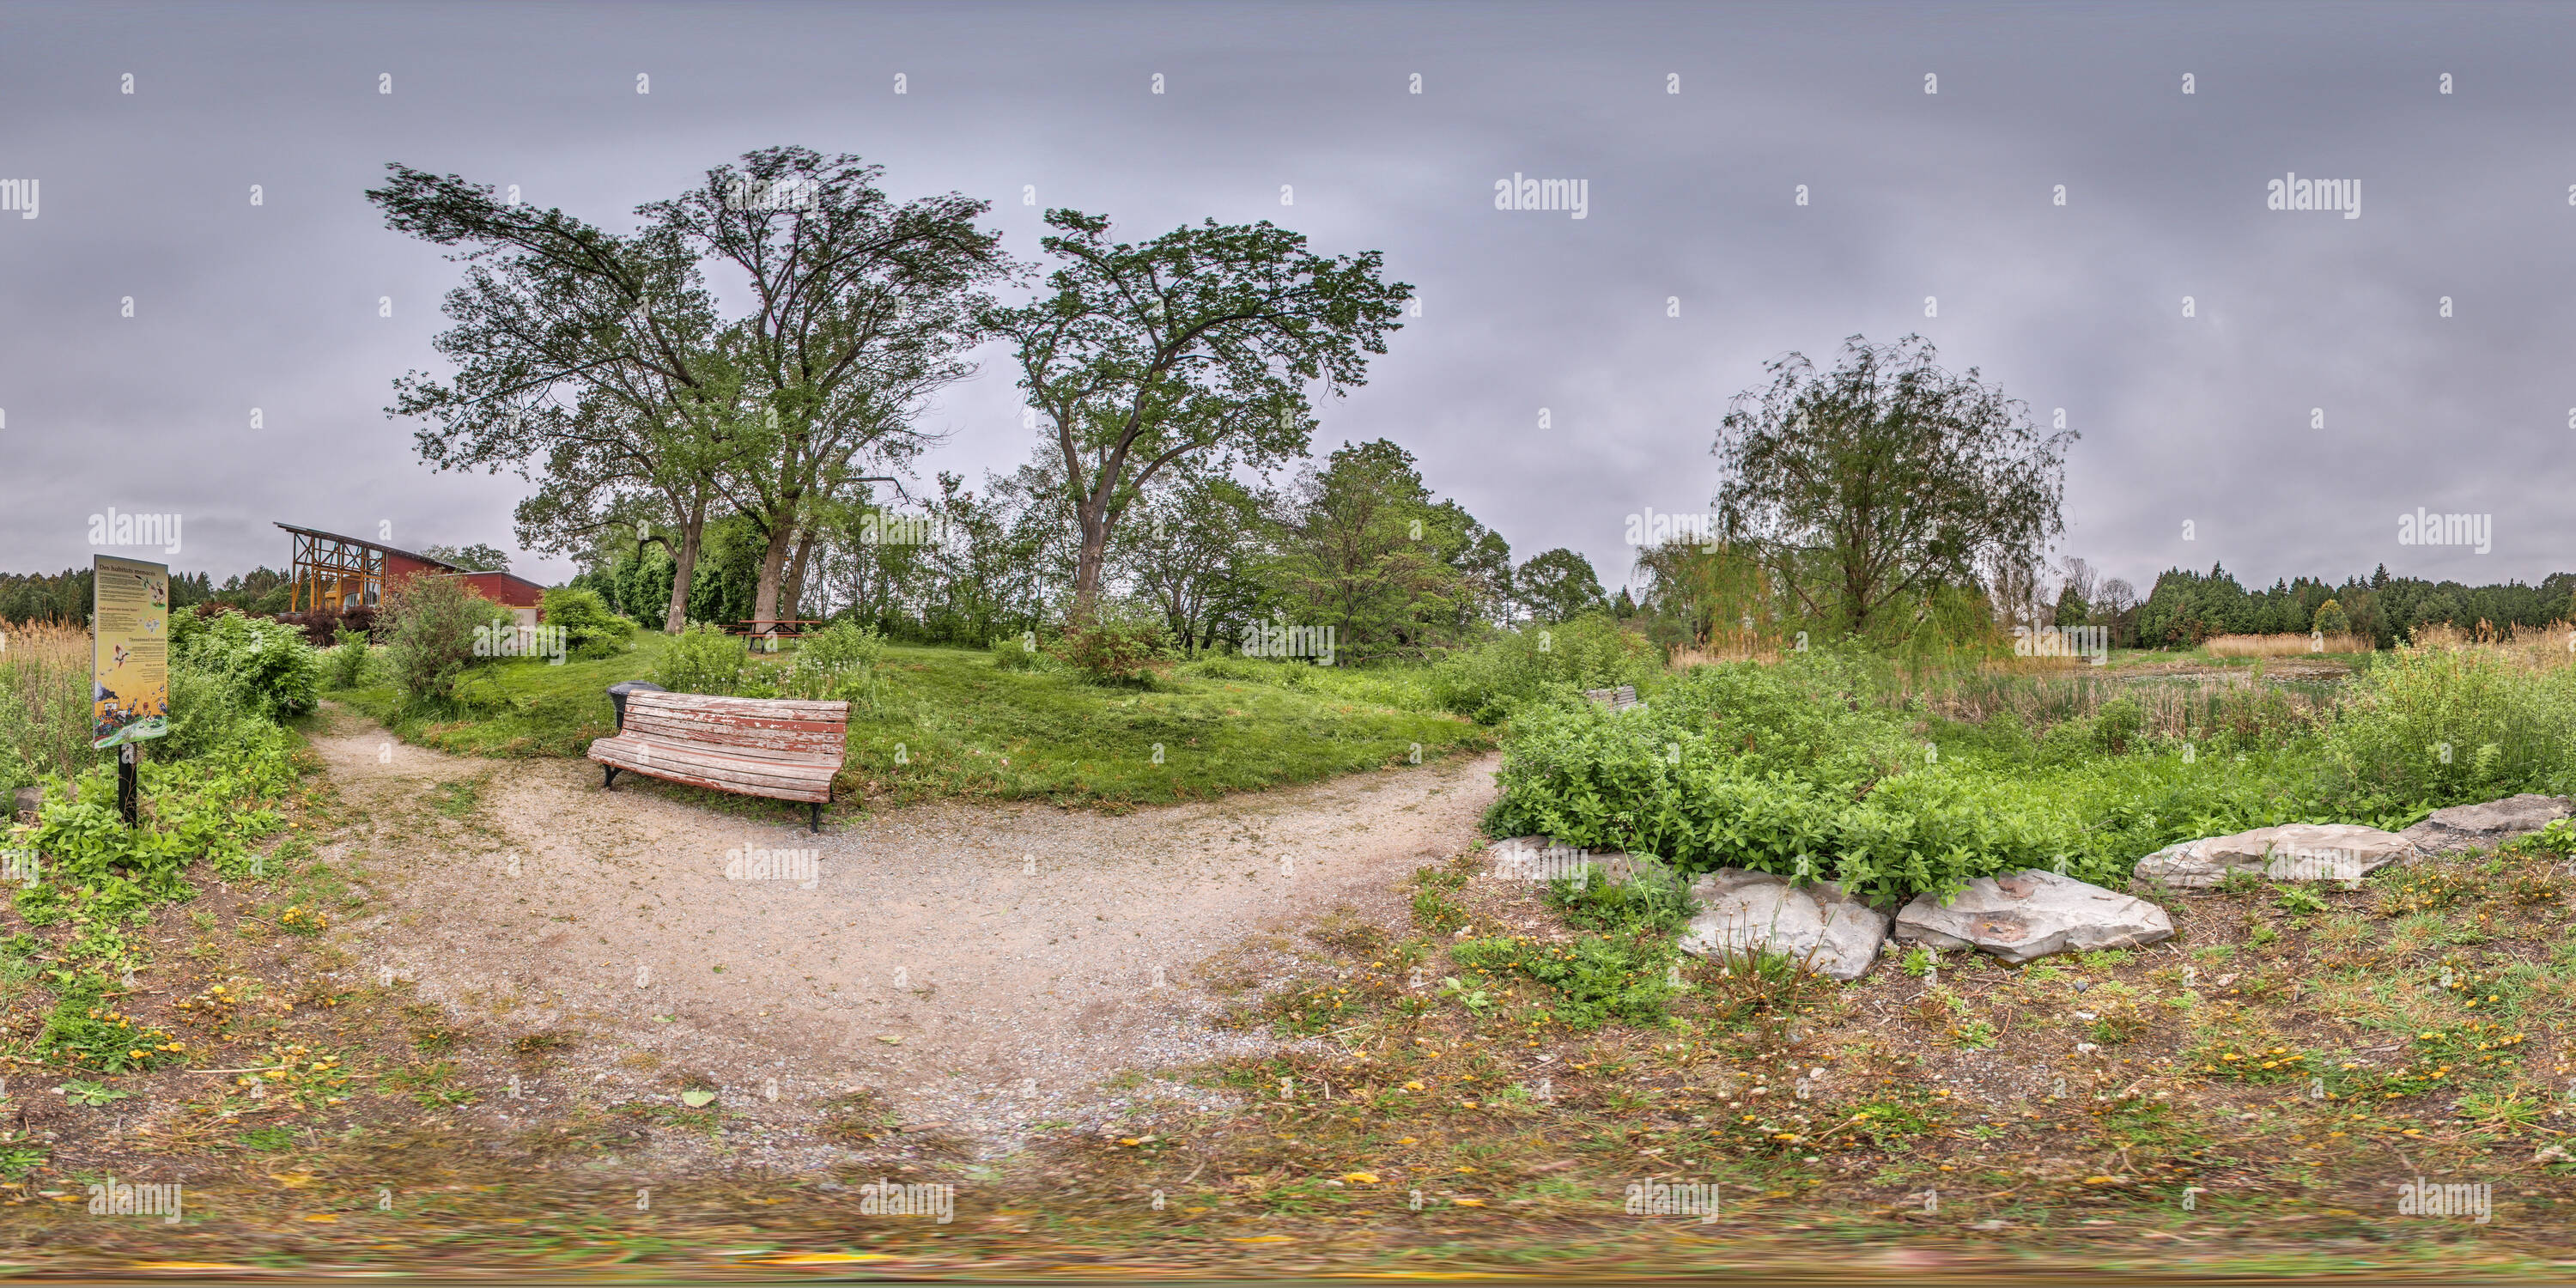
<point>1360,546</point>
<point>1865,487</point>
<point>859,308</point>
<point>591,350</point>
<point>1557,586</point>
<point>1196,346</point>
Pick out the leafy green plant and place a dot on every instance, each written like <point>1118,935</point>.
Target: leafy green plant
<point>1595,978</point>
<point>2298,901</point>
<point>429,626</point>
<point>86,1031</point>
<point>591,629</point>
<point>1488,682</point>
<point>1019,653</point>
<point>348,661</point>
<point>1653,903</point>
<point>268,664</point>
<point>841,662</point>
<point>21,1155</point>
<point>1116,646</point>
<point>82,1092</point>
<point>703,659</point>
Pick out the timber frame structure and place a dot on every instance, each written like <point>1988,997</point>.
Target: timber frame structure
<point>331,570</point>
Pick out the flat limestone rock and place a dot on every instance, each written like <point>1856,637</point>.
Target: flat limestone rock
<point>2487,825</point>
<point>1817,925</point>
<point>2288,852</point>
<point>2033,914</point>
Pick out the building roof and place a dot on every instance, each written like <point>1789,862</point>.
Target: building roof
<point>449,569</point>
<point>379,546</point>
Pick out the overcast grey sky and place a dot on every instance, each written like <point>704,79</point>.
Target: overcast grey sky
<point>1692,197</point>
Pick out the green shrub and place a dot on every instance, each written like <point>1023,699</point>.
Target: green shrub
<point>703,659</point>
<point>839,663</point>
<point>591,629</point>
<point>430,640</point>
<point>1018,653</point>
<point>2118,722</point>
<point>1791,769</point>
<point>348,660</point>
<point>2432,727</point>
<point>206,712</point>
<point>268,665</point>
<point>1488,682</point>
<point>1116,646</point>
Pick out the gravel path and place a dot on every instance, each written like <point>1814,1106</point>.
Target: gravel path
<point>984,967</point>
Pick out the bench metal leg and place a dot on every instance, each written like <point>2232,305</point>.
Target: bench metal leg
<point>611,779</point>
<point>816,810</point>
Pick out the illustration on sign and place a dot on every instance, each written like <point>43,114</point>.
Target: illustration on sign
<point>129,651</point>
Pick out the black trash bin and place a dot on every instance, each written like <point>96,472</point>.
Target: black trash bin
<point>617,696</point>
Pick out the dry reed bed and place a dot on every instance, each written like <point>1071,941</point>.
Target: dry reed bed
<point>44,699</point>
<point>2290,644</point>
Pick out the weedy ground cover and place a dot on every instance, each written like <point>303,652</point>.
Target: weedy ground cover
<point>949,722</point>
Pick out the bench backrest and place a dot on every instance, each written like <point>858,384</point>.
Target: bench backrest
<point>791,726</point>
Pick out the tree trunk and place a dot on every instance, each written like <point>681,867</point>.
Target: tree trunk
<point>684,565</point>
<point>773,565</point>
<point>1089,560</point>
<point>795,596</point>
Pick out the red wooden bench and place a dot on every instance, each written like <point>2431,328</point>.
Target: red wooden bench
<point>782,748</point>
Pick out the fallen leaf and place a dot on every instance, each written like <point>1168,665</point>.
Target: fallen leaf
<point>293,1180</point>
<point>696,1099</point>
<point>1363,1178</point>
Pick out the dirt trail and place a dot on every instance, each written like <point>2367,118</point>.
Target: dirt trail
<point>985,966</point>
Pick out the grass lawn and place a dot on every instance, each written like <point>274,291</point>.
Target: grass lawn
<point>950,724</point>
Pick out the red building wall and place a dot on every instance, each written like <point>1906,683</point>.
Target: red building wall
<point>504,589</point>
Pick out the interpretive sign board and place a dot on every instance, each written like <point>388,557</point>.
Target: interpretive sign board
<point>129,669</point>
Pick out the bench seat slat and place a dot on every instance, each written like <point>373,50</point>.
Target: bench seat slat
<point>823,742</point>
<point>706,767</point>
<point>790,762</point>
<point>754,708</point>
